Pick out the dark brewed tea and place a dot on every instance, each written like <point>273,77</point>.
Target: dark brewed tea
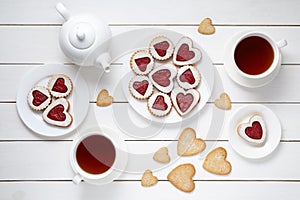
<point>254,55</point>
<point>95,154</point>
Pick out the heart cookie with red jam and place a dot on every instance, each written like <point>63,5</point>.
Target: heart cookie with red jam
<point>159,104</point>
<point>57,113</point>
<point>184,101</point>
<point>188,77</point>
<point>140,87</point>
<point>39,98</point>
<point>162,77</point>
<point>60,85</point>
<point>161,48</point>
<point>185,53</point>
<point>141,62</point>
<point>254,131</point>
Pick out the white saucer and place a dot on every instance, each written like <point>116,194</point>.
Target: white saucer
<point>243,147</point>
<point>79,99</point>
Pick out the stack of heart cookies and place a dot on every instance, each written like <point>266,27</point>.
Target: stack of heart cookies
<point>55,112</point>
<point>166,76</point>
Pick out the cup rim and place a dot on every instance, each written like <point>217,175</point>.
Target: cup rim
<point>78,169</point>
<point>275,50</point>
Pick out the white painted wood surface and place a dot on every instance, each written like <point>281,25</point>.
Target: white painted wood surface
<point>34,167</point>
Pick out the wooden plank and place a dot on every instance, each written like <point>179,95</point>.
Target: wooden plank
<point>163,190</point>
<point>39,44</point>
<point>133,127</point>
<point>119,12</point>
<point>50,161</point>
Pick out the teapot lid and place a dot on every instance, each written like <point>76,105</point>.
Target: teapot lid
<point>82,35</point>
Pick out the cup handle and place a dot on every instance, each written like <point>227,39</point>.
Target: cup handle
<point>281,43</point>
<point>77,179</point>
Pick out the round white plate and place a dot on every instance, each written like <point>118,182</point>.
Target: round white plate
<point>205,88</point>
<point>79,99</point>
<point>243,147</point>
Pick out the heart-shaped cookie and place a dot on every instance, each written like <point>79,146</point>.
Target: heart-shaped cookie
<point>39,98</point>
<point>182,177</point>
<point>140,87</point>
<point>206,27</point>
<point>216,163</point>
<point>141,62</point>
<point>254,131</point>
<point>188,77</point>
<point>162,77</point>
<point>223,102</point>
<point>161,48</point>
<point>185,53</point>
<point>57,113</point>
<point>148,179</point>
<point>162,155</point>
<point>188,144</point>
<point>104,99</point>
<point>184,101</point>
<point>159,104</point>
<point>60,85</point>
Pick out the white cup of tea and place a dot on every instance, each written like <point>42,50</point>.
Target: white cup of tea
<point>254,59</point>
<point>98,156</point>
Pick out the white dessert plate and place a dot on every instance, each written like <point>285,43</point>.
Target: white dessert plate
<point>205,88</point>
<point>243,147</point>
<point>79,99</point>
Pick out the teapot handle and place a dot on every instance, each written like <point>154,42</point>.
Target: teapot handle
<point>63,11</point>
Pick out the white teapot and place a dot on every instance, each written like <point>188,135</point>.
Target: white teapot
<point>85,39</point>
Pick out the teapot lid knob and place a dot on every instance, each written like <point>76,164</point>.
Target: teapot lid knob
<point>82,35</point>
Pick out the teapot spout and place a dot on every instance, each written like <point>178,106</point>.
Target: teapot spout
<point>104,61</point>
<point>63,11</point>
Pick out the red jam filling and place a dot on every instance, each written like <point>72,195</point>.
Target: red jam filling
<point>184,53</point>
<point>142,63</point>
<point>187,76</point>
<point>254,132</point>
<point>57,113</point>
<point>184,101</point>
<point>59,86</point>
<point>161,48</point>
<point>161,77</point>
<point>38,98</point>
<point>141,86</point>
<point>159,103</point>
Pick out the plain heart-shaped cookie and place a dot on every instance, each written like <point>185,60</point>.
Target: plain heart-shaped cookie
<point>188,144</point>
<point>254,131</point>
<point>184,101</point>
<point>57,113</point>
<point>148,179</point>
<point>185,53</point>
<point>39,98</point>
<point>104,99</point>
<point>223,102</point>
<point>206,27</point>
<point>162,77</point>
<point>60,85</point>
<point>162,155</point>
<point>216,163</point>
<point>141,62</point>
<point>188,77</point>
<point>182,177</point>
<point>161,48</point>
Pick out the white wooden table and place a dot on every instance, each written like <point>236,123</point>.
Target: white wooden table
<point>35,167</point>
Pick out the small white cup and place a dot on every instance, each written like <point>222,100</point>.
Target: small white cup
<point>247,80</point>
<point>113,172</point>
